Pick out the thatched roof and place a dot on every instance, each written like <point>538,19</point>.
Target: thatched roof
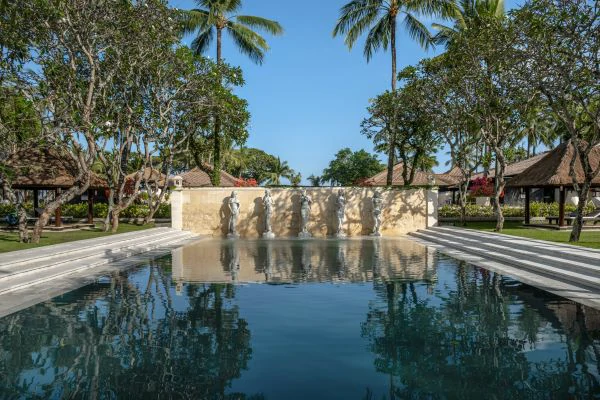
<point>554,169</point>
<point>452,177</point>
<point>421,178</point>
<point>514,168</point>
<point>150,175</point>
<point>44,168</point>
<point>199,178</point>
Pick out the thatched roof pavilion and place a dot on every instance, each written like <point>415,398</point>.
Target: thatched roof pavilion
<point>45,168</point>
<point>150,175</point>
<point>553,171</point>
<point>421,178</point>
<point>196,178</point>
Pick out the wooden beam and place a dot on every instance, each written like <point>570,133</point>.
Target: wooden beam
<point>58,212</point>
<point>561,207</point>
<point>527,206</point>
<point>90,216</point>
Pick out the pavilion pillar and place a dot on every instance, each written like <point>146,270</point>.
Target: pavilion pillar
<point>90,216</point>
<point>527,206</point>
<point>58,212</point>
<point>561,207</point>
<point>36,202</point>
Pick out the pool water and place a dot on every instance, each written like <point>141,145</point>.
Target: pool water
<point>291,319</point>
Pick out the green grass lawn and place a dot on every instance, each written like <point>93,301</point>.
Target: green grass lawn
<point>9,241</point>
<point>588,239</point>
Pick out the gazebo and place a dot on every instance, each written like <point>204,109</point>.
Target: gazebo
<point>47,169</point>
<point>421,178</point>
<point>553,171</point>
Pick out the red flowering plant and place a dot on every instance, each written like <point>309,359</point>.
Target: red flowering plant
<point>482,187</point>
<point>241,182</point>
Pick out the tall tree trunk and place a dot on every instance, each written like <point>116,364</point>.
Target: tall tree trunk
<point>63,198</point>
<point>216,172</point>
<point>392,144</point>
<point>499,184</point>
<point>583,193</point>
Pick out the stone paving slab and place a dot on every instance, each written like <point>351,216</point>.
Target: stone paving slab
<point>12,302</point>
<point>21,256</point>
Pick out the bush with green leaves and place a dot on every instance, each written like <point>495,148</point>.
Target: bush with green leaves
<point>537,209</point>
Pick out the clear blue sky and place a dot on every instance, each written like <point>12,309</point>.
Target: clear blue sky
<point>307,100</point>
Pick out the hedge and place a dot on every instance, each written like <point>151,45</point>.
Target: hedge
<point>537,209</point>
<point>79,211</point>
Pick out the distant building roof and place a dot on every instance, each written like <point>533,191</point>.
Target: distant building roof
<point>199,178</point>
<point>421,178</point>
<point>554,169</point>
<point>452,177</point>
<point>514,168</point>
<point>151,175</point>
<point>46,168</point>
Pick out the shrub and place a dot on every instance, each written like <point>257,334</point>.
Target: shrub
<point>537,209</point>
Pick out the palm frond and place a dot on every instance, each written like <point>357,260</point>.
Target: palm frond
<point>417,31</point>
<point>270,26</point>
<point>249,42</point>
<point>378,37</point>
<point>356,17</point>
<point>203,40</point>
<point>220,6</point>
<point>193,20</point>
<point>443,35</point>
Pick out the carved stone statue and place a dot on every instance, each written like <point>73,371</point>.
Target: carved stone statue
<point>377,206</point>
<point>340,211</point>
<point>234,208</point>
<point>305,206</point>
<point>268,204</point>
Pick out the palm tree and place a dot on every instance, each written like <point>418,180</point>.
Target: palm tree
<point>380,18</point>
<point>280,169</point>
<point>216,16</point>
<point>315,180</point>
<point>464,14</point>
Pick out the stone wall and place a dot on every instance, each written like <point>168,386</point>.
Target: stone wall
<point>205,211</point>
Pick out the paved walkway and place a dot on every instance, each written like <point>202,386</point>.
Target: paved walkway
<point>569,271</point>
<point>30,276</point>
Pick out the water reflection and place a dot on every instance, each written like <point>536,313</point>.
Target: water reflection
<point>126,337</point>
<point>480,341</point>
<point>418,325</point>
<point>277,261</point>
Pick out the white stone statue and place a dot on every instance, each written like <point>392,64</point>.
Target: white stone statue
<point>377,206</point>
<point>268,204</point>
<point>305,206</point>
<point>340,211</point>
<point>234,208</point>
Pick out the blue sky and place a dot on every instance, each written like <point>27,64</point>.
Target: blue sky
<point>307,100</point>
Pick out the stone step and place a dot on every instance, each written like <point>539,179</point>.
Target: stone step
<point>515,260</point>
<point>21,257</point>
<point>569,252</point>
<point>531,254</point>
<point>73,266</point>
<point>83,254</point>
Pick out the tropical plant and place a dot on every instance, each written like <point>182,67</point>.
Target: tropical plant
<point>465,14</point>
<point>380,18</point>
<point>279,170</point>
<point>315,180</point>
<point>216,16</point>
<point>349,168</point>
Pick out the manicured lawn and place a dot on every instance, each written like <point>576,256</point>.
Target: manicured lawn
<point>10,241</point>
<point>588,239</point>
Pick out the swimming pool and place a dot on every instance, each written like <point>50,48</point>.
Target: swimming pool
<point>301,319</point>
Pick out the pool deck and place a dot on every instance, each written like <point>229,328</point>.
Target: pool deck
<point>568,271</point>
<point>31,276</point>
